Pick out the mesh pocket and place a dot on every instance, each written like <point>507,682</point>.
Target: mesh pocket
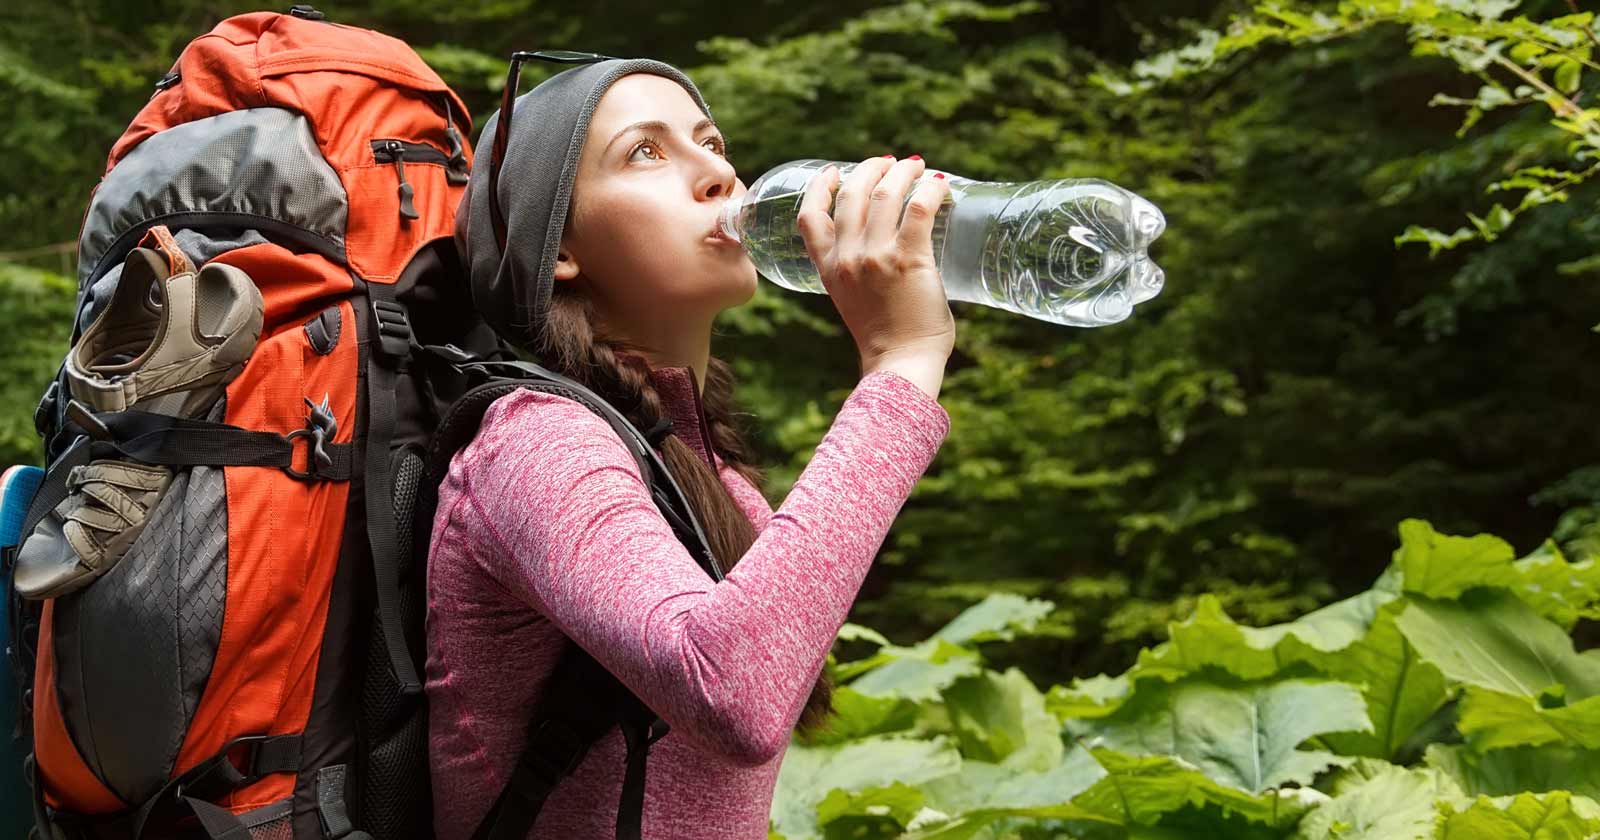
<point>395,798</point>
<point>271,822</point>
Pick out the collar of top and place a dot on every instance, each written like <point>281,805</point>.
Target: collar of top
<point>680,396</point>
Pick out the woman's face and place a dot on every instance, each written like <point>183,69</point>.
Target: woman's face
<point>645,202</point>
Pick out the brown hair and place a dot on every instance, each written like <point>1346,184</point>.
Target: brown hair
<point>615,370</point>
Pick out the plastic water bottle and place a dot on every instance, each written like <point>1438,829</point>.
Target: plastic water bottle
<point>1072,252</point>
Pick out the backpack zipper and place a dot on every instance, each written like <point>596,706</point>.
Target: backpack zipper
<point>398,152</point>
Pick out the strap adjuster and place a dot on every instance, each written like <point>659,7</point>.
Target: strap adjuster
<point>393,327</point>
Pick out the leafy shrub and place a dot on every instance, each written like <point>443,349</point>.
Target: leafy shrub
<point>1447,701</point>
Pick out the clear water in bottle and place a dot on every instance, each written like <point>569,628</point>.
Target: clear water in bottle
<point>1072,251</point>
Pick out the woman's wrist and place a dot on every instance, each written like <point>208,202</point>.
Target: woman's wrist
<point>923,368</point>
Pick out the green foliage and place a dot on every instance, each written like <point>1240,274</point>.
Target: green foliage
<point>1307,729</point>
<point>1520,63</point>
<point>36,319</point>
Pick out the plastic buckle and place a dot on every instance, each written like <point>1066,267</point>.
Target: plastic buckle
<point>393,326</point>
<point>220,768</point>
<point>43,417</point>
<point>306,12</point>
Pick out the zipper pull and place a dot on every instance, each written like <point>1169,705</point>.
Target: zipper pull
<point>398,152</point>
<point>455,170</point>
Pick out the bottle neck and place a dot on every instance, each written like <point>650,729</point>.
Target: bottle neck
<point>728,219</point>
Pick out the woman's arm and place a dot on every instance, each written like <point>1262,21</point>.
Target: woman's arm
<point>729,664</point>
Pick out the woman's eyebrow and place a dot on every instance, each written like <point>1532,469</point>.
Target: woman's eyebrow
<point>657,125</point>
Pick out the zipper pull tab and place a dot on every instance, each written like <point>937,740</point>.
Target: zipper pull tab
<point>407,208</point>
<point>455,169</point>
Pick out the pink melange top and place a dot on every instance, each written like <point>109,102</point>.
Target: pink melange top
<point>545,529</point>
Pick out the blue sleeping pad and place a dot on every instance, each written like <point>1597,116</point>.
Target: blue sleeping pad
<point>17,486</point>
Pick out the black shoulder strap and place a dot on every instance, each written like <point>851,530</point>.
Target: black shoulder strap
<point>584,700</point>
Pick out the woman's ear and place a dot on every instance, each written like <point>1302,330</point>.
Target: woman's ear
<point>567,268</point>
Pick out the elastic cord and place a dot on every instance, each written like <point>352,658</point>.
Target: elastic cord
<point>661,429</point>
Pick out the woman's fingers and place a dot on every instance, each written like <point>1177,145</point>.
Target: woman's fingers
<point>815,223</point>
<point>916,232</point>
<point>886,200</point>
<point>854,200</point>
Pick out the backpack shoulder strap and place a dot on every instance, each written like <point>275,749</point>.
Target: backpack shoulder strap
<point>499,378</point>
<point>584,700</point>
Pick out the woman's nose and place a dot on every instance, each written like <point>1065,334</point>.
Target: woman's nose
<point>718,181</point>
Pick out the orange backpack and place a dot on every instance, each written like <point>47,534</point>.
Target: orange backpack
<point>226,606</point>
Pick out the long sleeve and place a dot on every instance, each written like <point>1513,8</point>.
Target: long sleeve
<point>728,664</point>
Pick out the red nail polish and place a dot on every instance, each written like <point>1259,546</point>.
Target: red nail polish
<point>891,157</point>
<point>939,175</point>
<point>915,157</point>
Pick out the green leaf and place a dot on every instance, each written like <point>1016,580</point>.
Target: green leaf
<point>1495,720</point>
<point>1000,617</point>
<point>1518,770</point>
<point>1492,640</point>
<point>1560,591</point>
<point>1088,697</point>
<point>1140,792</point>
<point>1382,802</point>
<point>1527,816</point>
<point>918,673</point>
<point>1211,639</point>
<point>856,715</point>
<point>1002,718</point>
<point>1441,566</point>
<point>1569,76</point>
<point>1243,737</point>
<point>808,774</point>
<point>898,802</point>
<point>1400,689</point>
<point>982,793</point>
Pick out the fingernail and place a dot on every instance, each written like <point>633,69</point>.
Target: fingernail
<point>891,157</point>
<point>939,175</point>
<point>915,157</point>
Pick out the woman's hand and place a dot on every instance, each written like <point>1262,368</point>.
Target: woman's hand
<point>879,269</point>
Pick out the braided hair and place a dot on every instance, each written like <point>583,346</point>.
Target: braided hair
<point>614,369</point>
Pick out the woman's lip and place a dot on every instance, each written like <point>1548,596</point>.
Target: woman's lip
<point>720,239</point>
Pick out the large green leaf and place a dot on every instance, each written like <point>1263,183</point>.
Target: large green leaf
<point>1550,816</point>
<point>1139,792</point>
<point>1401,690</point>
<point>1559,590</point>
<point>1495,720</point>
<point>1088,697</point>
<point>922,671</point>
<point>999,617</point>
<point>1382,802</point>
<point>1210,638</point>
<point>1519,770</point>
<point>856,715</point>
<point>1246,737</point>
<point>808,774</point>
<point>1492,640</point>
<point>1437,565</point>
<point>917,673</point>
<point>983,793</point>
<point>1002,718</point>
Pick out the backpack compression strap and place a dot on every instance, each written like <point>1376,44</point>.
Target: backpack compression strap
<point>584,700</point>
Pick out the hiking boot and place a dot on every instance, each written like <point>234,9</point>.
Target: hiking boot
<point>169,342</point>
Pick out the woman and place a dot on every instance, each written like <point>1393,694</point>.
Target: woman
<point>545,528</point>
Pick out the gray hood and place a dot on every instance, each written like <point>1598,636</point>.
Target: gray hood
<point>512,290</point>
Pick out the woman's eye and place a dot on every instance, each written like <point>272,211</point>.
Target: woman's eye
<point>648,144</point>
<point>716,144</point>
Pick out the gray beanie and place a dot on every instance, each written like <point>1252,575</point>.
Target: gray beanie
<point>512,290</point>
